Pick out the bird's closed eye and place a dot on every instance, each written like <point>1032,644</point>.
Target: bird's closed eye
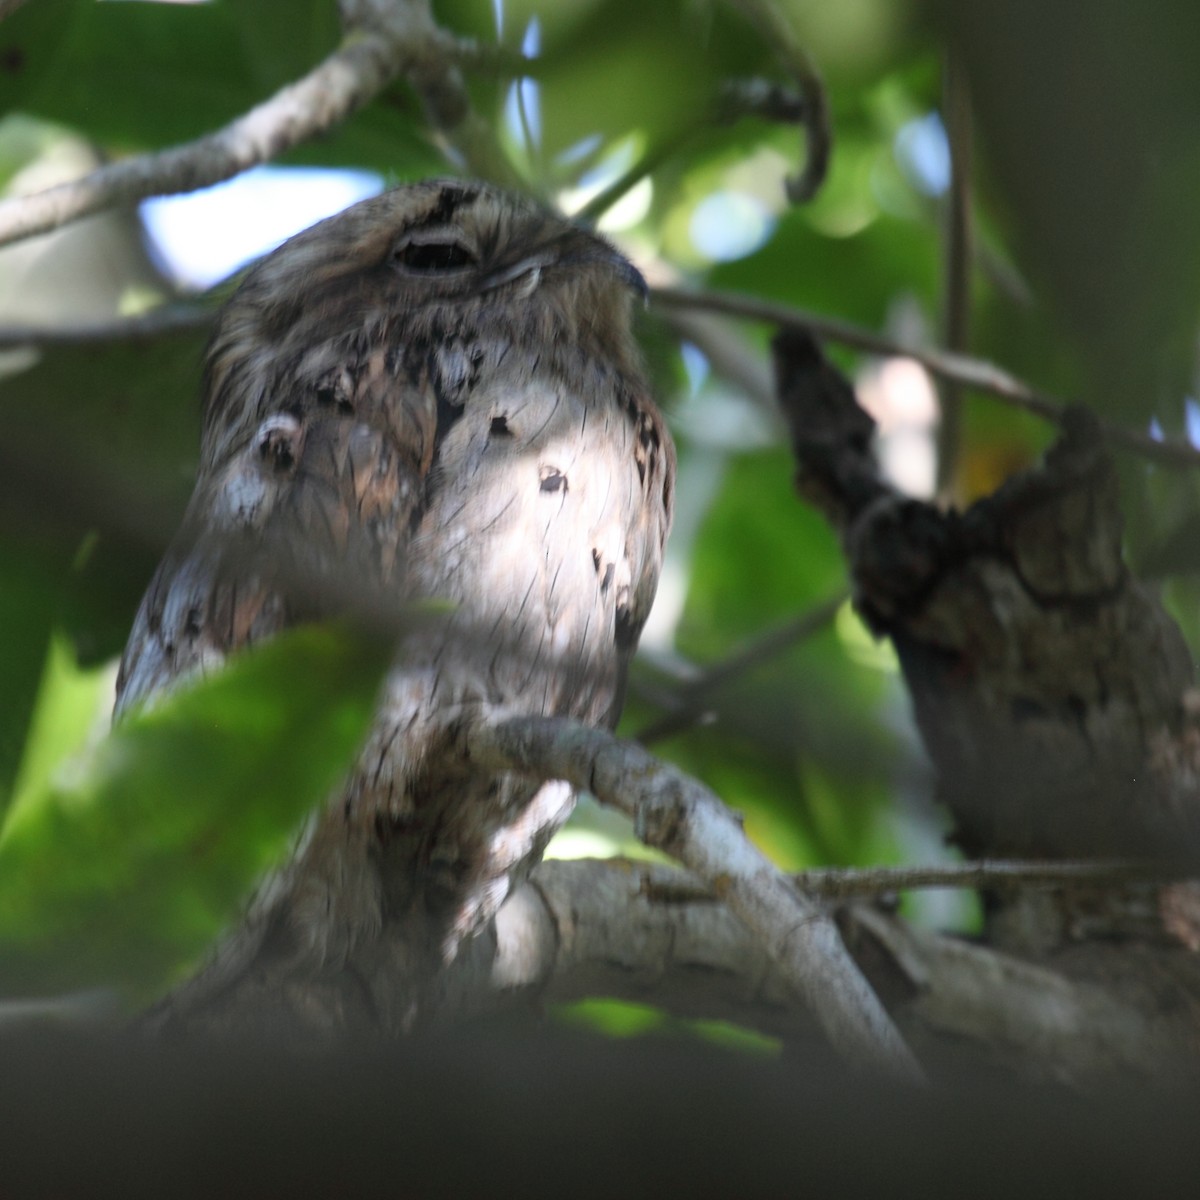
<point>429,255</point>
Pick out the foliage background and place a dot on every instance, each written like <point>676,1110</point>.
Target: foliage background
<point>1084,278</point>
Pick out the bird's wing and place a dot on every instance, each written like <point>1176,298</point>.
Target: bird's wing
<point>654,457</point>
<point>308,511</point>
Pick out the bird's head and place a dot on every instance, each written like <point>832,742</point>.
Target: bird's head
<point>432,257</point>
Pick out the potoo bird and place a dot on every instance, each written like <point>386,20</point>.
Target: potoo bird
<point>434,395</point>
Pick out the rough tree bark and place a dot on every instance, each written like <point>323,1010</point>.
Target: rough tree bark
<point>1052,692</point>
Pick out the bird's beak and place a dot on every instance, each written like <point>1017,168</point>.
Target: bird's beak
<point>592,251</point>
<point>630,275</point>
<point>532,266</point>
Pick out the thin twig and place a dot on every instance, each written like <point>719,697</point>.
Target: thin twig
<point>355,73</point>
<point>339,85</point>
<point>168,318</point>
<point>693,699</point>
<point>973,372</point>
<point>837,883</point>
<point>649,162</point>
<point>678,815</point>
<point>437,79</point>
<point>650,932</point>
<point>848,883</point>
<point>737,99</point>
<point>776,31</point>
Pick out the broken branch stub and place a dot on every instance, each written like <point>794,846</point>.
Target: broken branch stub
<point>1047,682</point>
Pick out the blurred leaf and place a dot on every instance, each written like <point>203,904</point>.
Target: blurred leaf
<point>614,1018</point>
<point>625,1019</point>
<point>133,404</point>
<point>1094,160</point>
<point>170,73</point>
<point>31,40</point>
<point>761,556</point>
<point>735,1037</point>
<point>605,68</point>
<point>313,31</point>
<point>125,872</point>
<point>166,72</point>
<point>99,445</point>
<point>68,708</point>
<point>858,276</point>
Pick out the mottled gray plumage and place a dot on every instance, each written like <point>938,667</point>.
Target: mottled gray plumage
<point>435,393</point>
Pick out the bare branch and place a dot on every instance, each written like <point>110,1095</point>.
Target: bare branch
<point>345,81</point>
<point>681,817</point>
<point>1052,1024</point>
<point>975,373</point>
<point>8,7</point>
<point>841,883</point>
<point>436,78</point>
<point>814,110</point>
<point>409,43</point>
<point>655,934</point>
<point>694,697</point>
<point>168,318</point>
<point>738,98</point>
<point>855,883</point>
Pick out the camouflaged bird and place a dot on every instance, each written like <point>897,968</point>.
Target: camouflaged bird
<point>434,395</point>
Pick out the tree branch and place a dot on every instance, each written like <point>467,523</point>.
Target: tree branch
<point>693,700</point>
<point>167,318</point>
<point>976,373</point>
<point>436,78</point>
<point>814,110</point>
<point>842,883</point>
<point>366,62</point>
<point>345,81</point>
<point>681,817</point>
<point>655,934</point>
<point>857,883</point>
<point>1046,682</point>
<point>737,99</point>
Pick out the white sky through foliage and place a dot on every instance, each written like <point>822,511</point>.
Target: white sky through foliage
<point>205,236</point>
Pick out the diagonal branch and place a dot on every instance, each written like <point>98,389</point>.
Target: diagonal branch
<point>694,698</point>
<point>738,98</point>
<point>653,933</point>
<point>681,817</point>
<point>985,874</point>
<point>975,373</point>
<point>345,81</point>
<point>355,73</point>
<point>774,29</point>
<point>842,883</point>
<point>155,322</point>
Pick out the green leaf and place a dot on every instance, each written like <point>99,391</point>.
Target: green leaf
<point>123,874</point>
<point>1093,162</point>
<point>131,74</point>
<point>762,556</point>
<point>71,702</point>
<point>98,450</point>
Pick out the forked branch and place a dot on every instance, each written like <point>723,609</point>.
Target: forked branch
<point>678,815</point>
